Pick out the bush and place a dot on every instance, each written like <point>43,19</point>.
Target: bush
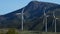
<point>12,31</point>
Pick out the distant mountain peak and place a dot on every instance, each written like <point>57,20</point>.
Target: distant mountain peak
<point>39,2</point>
<point>32,13</point>
<point>34,2</point>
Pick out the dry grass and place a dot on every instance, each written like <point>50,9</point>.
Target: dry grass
<point>29,32</point>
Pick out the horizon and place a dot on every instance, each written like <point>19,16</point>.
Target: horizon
<point>7,6</point>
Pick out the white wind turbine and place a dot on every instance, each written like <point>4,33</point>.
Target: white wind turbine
<point>54,20</point>
<point>22,19</point>
<point>22,15</point>
<point>45,20</point>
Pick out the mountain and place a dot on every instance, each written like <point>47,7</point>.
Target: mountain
<point>33,17</point>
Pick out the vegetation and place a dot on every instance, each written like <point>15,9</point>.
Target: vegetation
<point>12,31</point>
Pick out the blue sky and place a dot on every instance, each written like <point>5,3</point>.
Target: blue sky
<point>7,6</point>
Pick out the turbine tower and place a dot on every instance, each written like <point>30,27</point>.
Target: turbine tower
<point>22,18</point>
<point>45,22</point>
<point>54,20</point>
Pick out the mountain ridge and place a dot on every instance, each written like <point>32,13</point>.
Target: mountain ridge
<point>33,16</point>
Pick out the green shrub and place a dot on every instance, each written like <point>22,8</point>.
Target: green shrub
<point>12,31</point>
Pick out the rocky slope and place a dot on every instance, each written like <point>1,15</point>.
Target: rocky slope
<point>33,17</point>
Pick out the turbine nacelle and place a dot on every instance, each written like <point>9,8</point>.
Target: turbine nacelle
<point>57,18</point>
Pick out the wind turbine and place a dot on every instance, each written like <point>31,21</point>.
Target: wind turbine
<point>54,20</point>
<point>22,18</point>
<point>45,22</point>
<point>22,15</point>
